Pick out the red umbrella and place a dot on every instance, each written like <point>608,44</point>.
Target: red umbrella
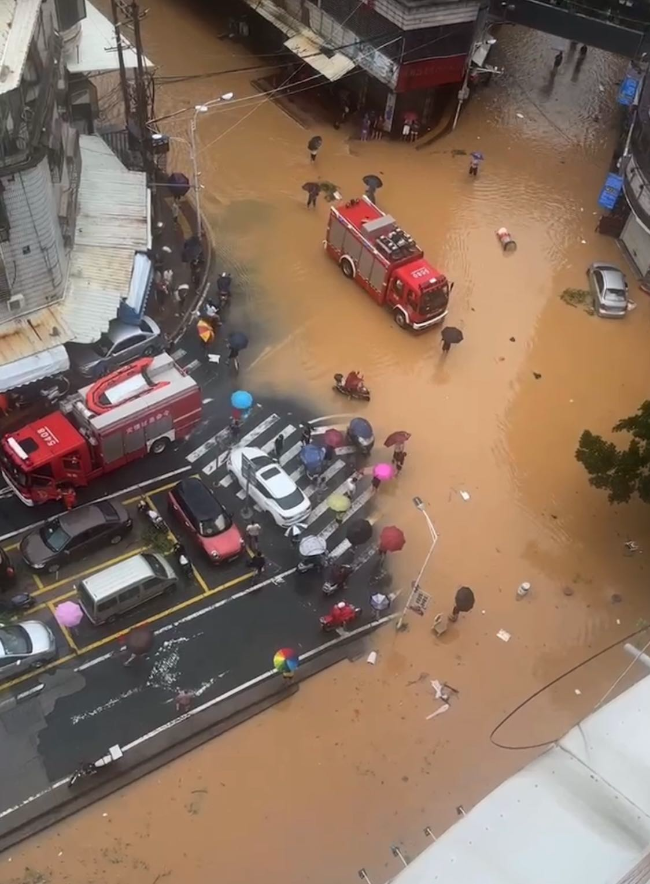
<point>399,437</point>
<point>335,438</point>
<point>391,539</point>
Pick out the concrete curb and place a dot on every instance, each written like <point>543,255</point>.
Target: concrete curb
<point>57,804</point>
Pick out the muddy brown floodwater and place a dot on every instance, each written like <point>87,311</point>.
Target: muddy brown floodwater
<point>325,783</point>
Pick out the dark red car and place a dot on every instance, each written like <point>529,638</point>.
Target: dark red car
<point>202,514</point>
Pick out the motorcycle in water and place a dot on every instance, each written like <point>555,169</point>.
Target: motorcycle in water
<point>90,768</point>
<point>353,386</point>
<point>155,518</point>
<point>337,579</point>
<point>183,560</point>
<point>224,282</point>
<point>339,617</point>
<point>361,435</point>
<point>23,601</point>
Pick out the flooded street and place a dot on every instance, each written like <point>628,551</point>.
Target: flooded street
<point>326,782</point>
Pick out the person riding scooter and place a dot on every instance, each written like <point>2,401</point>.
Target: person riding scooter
<point>337,578</point>
<point>353,386</point>
<point>339,617</point>
<point>224,281</point>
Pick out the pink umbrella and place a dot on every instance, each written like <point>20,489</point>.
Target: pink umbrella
<point>383,471</point>
<point>335,438</point>
<point>68,614</point>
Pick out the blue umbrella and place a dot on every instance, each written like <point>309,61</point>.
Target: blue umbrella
<point>360,427</point>
<point>477,155</point>
<point>238,340</point>
<point>312,457</point>
<point>241,399</point>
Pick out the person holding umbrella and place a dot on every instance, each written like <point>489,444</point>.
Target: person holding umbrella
<point>463,603</point>
<point>313,191</point>
<point>476,157</point>
<point>313,146</point>
<point>373,183</point>
<point>237,341</point>
<point>138,643</point>
<point>450,335</point>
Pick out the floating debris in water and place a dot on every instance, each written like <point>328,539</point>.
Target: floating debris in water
<point>578,298</point>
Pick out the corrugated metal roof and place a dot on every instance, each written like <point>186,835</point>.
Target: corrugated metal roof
<point>579,812</point>
<point>113,222</point>
<point>94,49</point>
<point>17,21</point>
<point>308,47</point>
<point>33,333</point>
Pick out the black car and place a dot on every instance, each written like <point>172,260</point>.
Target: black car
<point>75,534</point>
<point>7,572</point>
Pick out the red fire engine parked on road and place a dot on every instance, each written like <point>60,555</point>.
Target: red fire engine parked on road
<point>139,408</point>
<point>370,248</point>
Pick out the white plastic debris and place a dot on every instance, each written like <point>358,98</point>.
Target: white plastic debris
<point>503,635</point>
<point>522,590</point>
<point>464,494</point>
<point>577,691</point>
<point>618,622</point>
<point>521,116</point>
<point>372,658</point>
<point>584,242</point>
<point>442,709</point>
<point>439,688</point>
<point>214,357</point>
<point>166,249</point>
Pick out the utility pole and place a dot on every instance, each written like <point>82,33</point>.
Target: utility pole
<point>120,56</point>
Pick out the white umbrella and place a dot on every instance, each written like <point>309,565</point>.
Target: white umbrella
<point>312,546</point>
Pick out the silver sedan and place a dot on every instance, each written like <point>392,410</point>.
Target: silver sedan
<point>25,646</point>
<point>122,343</point>
<point>608,290</point>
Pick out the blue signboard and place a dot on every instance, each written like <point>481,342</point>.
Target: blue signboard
<point>627,92</point>
<point>611,189</point>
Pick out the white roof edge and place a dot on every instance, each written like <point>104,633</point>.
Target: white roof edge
<point>95,47</point>
<point>578,812</point>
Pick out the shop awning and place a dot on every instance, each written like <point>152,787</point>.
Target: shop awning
<point>33,368</point>
<point>332,66</point>
<point>132,307</point>
<point>95,47</point>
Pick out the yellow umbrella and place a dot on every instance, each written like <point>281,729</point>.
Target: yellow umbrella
<point>205,331</point>
<point>339,503</point>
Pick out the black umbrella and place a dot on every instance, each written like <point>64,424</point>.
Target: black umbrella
<point>359,531</point>
<point>451,335</point>
<point>464,599</point>
<point>314,144</point>
<point>178,183</point>
<point>374,182</point>
<point>311,187</point>
<point>238,340</point>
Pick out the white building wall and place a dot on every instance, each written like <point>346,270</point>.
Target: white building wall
<point>35,261</point>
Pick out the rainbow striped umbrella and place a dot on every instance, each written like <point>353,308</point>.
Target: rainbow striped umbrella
<point>285,660</point>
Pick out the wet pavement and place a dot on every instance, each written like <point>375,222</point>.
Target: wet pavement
<point>326,783</point>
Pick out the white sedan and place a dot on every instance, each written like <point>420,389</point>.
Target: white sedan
<point>268,485</point>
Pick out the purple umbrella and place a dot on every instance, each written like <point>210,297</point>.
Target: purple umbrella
<point>178,184</point>
<point>68,614</point>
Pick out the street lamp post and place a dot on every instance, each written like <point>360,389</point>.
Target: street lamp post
<point>200,109</point>
<point>419,504</point>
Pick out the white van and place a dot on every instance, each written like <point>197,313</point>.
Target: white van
<point>125,585</point>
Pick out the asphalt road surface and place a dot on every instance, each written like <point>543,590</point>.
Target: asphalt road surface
<point>217,632</point>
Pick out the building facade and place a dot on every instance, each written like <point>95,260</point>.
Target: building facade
<point>407,49</point>
<point>43,45</point>
<point>635,169</point>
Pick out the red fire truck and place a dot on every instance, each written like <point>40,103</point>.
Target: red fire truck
<point>370,248</point>
<point>139,408</point>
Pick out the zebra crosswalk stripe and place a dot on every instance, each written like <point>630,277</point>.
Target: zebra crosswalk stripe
<point>207,445</point>
<point>217,462</point>
<point>360,502</point>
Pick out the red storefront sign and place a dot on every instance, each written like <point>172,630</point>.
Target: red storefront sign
<point>431,72</point>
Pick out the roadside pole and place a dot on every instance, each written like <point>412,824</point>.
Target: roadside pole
<point>248,471</point>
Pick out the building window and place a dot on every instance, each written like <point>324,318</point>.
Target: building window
<point>69,12</point>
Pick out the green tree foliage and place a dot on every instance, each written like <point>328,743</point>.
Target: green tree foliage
<point>622,472</point>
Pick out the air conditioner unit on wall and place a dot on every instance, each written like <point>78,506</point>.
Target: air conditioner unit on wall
<point>16,303</point>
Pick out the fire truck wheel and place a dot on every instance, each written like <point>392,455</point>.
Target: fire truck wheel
<point>400,319</point>
<point>160,445</point>
<point>347,267</point>
<point>150,351</point>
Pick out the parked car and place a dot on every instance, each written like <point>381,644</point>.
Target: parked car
<point>75,534</point>
<point>122,343</point>
<point>25,646</point>
<point>7,571</point>
<point>203,515</point>
<point>608,290</point>
<point>269,486</point>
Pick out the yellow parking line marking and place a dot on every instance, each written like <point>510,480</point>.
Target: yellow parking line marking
<point>13,546</point>
<point>200,581</point>
<point>64,629</point>
<point>106,564</point>
<point>86,649</point>
<point>179,607</point>
<point>37,580</point>
<point>56,601</point>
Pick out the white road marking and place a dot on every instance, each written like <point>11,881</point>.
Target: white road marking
<point>361,501</point>
<point>35,690</point>
<point>178,354</point>
<point>207,445</point>
<point>322,507</point>
<point>327,475</point>
<point>192,366</point>
<point>210,468</point>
